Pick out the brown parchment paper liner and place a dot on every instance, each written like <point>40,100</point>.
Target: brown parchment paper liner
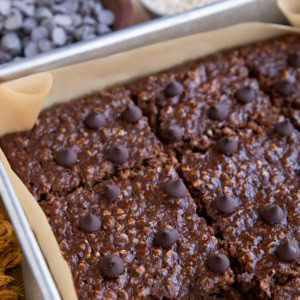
<point>81,79</point>
<point>291,10</point>
<point>21,101</point>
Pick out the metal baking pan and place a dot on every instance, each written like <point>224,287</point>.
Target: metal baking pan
<point>213,16</point>
<point>30,247</point>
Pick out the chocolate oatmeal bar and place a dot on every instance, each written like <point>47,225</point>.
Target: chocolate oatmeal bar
<point>272,60</point>
<point>82,142</point>
<point>189,109</point>
<point>183,185</point>
<point>251,193</point>
<point>179,84</point>
<point>197,123</point>
<point>276,65</point>
<point>149,221</point>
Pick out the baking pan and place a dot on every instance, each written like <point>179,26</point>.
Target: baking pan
<point>97,75</point>
<point>213,16</point>
<point>26,238</point>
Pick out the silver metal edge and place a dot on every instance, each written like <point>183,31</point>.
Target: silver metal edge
<point>197,20</point>
<point>27,239</point>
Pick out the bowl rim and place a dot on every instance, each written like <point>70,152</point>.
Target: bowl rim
<point>157,13</point>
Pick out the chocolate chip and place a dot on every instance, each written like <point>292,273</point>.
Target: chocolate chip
<point>88,20</point>
<point>59,9</point>
<point>273,214</point>
<point>11,43</point>
<point>288,250</point>
<point>4,57</point>
<point>77,20</point>
<point>227,145</point>
<point>111,266</point>
<point>294,59</point>
<point>5,7</point>
<point>89,223</point>
<point>14,21</point>
<point>59,36</point>
<point>30,49</point>
<point>39,33</point>
<point>62,20</point>
<point>173,134</point>
<point>218,112</point>
<point>55,22</point>
<point>48,23</point>
<point>28,25</point>
<point>45,45</point>
<point>102,29</point>
<point>174,88</point>
<point>106,17</point>
<point>82,32</point>
<point>225,204</point>
<point>89,36</point>
<point>175,188</point>
<point>132,114</point>
<point>166,237</point>
<point>43,12</point>
<point>245,95</point>
<point>27,9</point>
<point>284,87</point>
<point>111,192</point>
<point>94,120</point>
<point>66,157</point>
<point>218,263</point>
<point>284,128</point>
<point>118,154</point>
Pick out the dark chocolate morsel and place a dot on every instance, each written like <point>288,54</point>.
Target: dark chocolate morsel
<point>174,88</point>
<point>284,87</point>
<point>284,128</point>
<point>66,157</point>
<point>227,145</point>
<point>111,266</point>
<point>118,154</point>
<point>288,250</point>
<point>94,120</point>
<point>173,134</point>
<point>166,237</point>
<point>111,192</point>
<point>225,204</point>
<point>89,223</point>
<point>273,214</point>
<point>132,114</point>
<point>294,59</point>
<point>218,263</point>
<point>175,188</point>
<point>245,95</point>
<point>218,112</point>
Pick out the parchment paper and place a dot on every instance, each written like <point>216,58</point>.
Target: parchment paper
<point>291,9</point>
<point>22,98</point>
<point>78,80</point>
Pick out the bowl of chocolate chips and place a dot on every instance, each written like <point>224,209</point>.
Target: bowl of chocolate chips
<point>31,27</point>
